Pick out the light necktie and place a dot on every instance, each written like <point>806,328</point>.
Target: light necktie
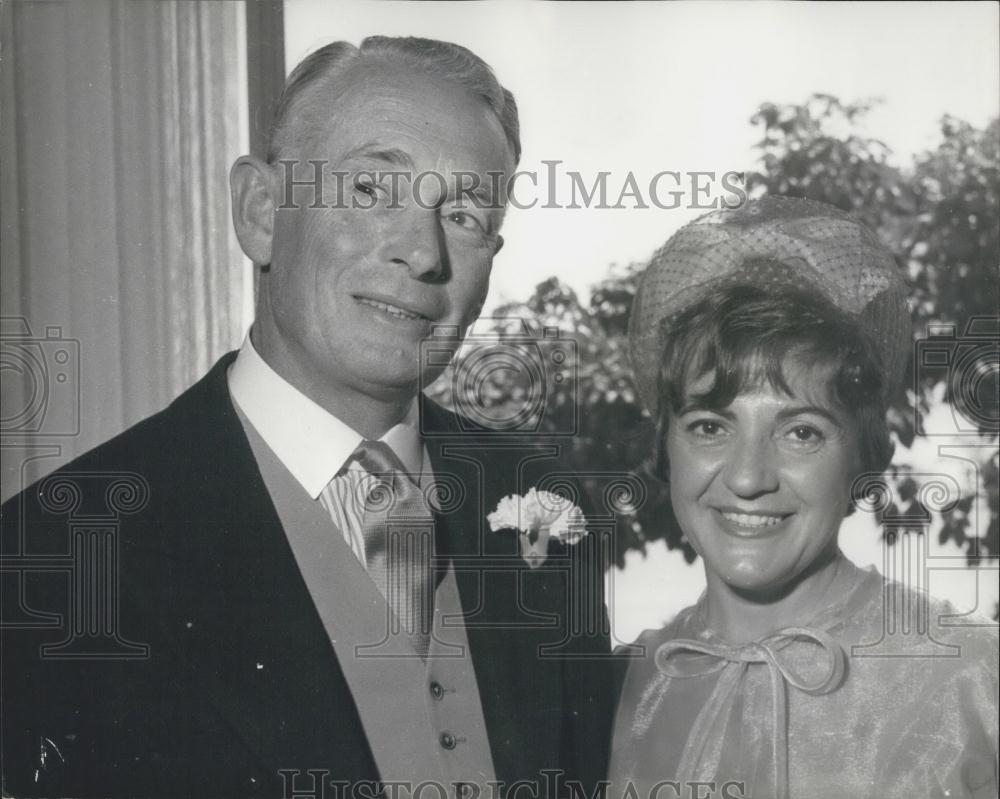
<point>398,531</point>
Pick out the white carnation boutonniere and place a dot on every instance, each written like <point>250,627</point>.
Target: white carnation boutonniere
<point>539,516</point>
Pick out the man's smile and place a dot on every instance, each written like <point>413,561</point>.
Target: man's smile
<point>394,308</point>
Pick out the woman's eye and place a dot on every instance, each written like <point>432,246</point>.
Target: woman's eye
<point>805,434</point>
<point>706,428</point>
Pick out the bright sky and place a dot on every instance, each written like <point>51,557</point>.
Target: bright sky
<point>648,87</point>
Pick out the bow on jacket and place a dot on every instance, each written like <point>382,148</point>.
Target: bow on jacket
<point>684,657</point>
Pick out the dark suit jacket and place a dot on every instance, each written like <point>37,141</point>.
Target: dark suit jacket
<point>238,681</point>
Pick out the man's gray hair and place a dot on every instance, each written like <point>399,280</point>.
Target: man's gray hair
<point>438,59</point>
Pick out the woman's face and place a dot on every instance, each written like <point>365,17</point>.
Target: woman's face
<point>760,488</point>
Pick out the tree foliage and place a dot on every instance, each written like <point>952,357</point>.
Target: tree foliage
<point>939,215</point>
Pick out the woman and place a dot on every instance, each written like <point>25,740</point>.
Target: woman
<point>766,341</point>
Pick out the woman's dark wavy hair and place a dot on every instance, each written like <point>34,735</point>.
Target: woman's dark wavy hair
<point>743,335</point>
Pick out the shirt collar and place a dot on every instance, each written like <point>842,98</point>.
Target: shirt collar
<point>311,442</point>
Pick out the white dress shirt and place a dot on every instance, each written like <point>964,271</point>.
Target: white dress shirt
<point>316,446</point>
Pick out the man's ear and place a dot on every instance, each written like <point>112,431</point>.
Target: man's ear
<point>253,207</point>
<point>499,244</point>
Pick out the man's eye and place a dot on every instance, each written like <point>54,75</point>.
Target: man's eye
<point>465,221</point>
<point>369,189</point>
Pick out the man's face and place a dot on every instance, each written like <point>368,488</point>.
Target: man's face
<point>354,286</point>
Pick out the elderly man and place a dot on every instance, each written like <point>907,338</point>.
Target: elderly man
<point>277,631</point>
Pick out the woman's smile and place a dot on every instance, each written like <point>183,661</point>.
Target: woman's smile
<point>750,523</point>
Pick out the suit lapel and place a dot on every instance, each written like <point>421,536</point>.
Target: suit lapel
<point>254,631</point>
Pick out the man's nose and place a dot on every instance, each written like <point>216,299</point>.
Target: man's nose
<point>417,243</point>
<point>751,468</point>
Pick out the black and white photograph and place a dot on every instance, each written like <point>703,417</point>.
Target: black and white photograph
<point>499,400</point>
